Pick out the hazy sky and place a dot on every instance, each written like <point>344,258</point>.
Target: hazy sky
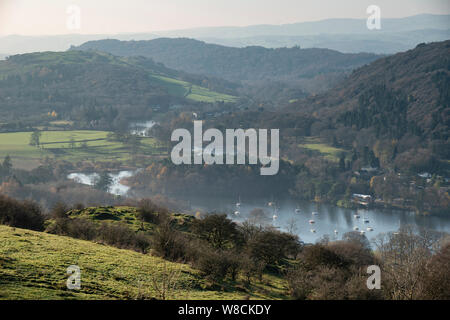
<point>33,17</point>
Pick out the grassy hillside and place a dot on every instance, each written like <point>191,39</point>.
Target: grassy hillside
<point>33,266</point>
<point>192,91</point>
<point>316,145</point>
<point>87,145</point>
<point>127,215</point>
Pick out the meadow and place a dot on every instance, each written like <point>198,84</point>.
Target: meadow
<point>192,91</point>
<point>72,145</point>
<point>325,150</point>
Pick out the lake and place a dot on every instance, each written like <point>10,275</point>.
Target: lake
<point>296,215</point>
<point>115,188</point>
<point>141,128</point>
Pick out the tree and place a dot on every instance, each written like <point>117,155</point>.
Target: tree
<point>35,138</point>
<point>258,216</point>
<point>404,256</point>
<point>436,282</point>
<point>218,230</point>
<point>72,143</point>
<point>165,284</point>
<point>103,182</point>
<point>342,162</point>
<point>272,246</point>
<point>7,164</point>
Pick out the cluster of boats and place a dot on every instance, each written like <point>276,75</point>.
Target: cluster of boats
<point>272,204</point>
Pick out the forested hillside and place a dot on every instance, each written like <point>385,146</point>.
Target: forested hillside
<point>311,70</point>
<point>88,86</point>
<point>413,86</point>
<point>402,100</point>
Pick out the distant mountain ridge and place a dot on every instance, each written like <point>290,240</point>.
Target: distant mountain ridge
<point>375,42</point>
<point>345,35</point>
<point>327,26</point>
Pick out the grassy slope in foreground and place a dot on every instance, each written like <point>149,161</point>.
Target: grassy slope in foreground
<point>33,266</point>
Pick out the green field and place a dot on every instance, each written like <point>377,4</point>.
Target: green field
<point>192,91</point>
<point>57,144</point>
<point>33,266</point>
<point>325,150</point>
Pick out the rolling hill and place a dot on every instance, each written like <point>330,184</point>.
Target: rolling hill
<point>89,83</point>
<point>310,69</point>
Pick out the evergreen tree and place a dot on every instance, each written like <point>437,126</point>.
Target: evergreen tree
<point>7,164</point>
<point>35,138</point>
<point>103,182</point>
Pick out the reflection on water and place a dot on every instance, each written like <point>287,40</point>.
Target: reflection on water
<point>328,220</point>
<point>115,188</point>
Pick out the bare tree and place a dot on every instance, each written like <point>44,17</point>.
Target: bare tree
<point>404,255</point>
<point>291,225</point>
<point>166,284</point>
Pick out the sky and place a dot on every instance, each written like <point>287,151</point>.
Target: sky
<point>50,17</point>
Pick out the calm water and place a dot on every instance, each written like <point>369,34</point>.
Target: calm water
<point>327,219</point>
<point>141,128</point>
<point>296,216</point>
<point>116,187</point>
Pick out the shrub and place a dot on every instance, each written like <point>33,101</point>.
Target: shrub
<point>214,265</point>
<point>59,210</point>
<point>251,268</point>
<point>169,243</point>
<point>319,255</point>
<point>21,214</point>
<point>116,235</point>
<point>272,246</point>
<point>148,211</point>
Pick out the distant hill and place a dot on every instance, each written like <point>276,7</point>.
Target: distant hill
<point>31,85</point>
<point>19,44</point>
<point>414,84</point>
<point>344,35</point>
<point>311,70</point>
<point>379,42</point>
<point>327,26</point>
